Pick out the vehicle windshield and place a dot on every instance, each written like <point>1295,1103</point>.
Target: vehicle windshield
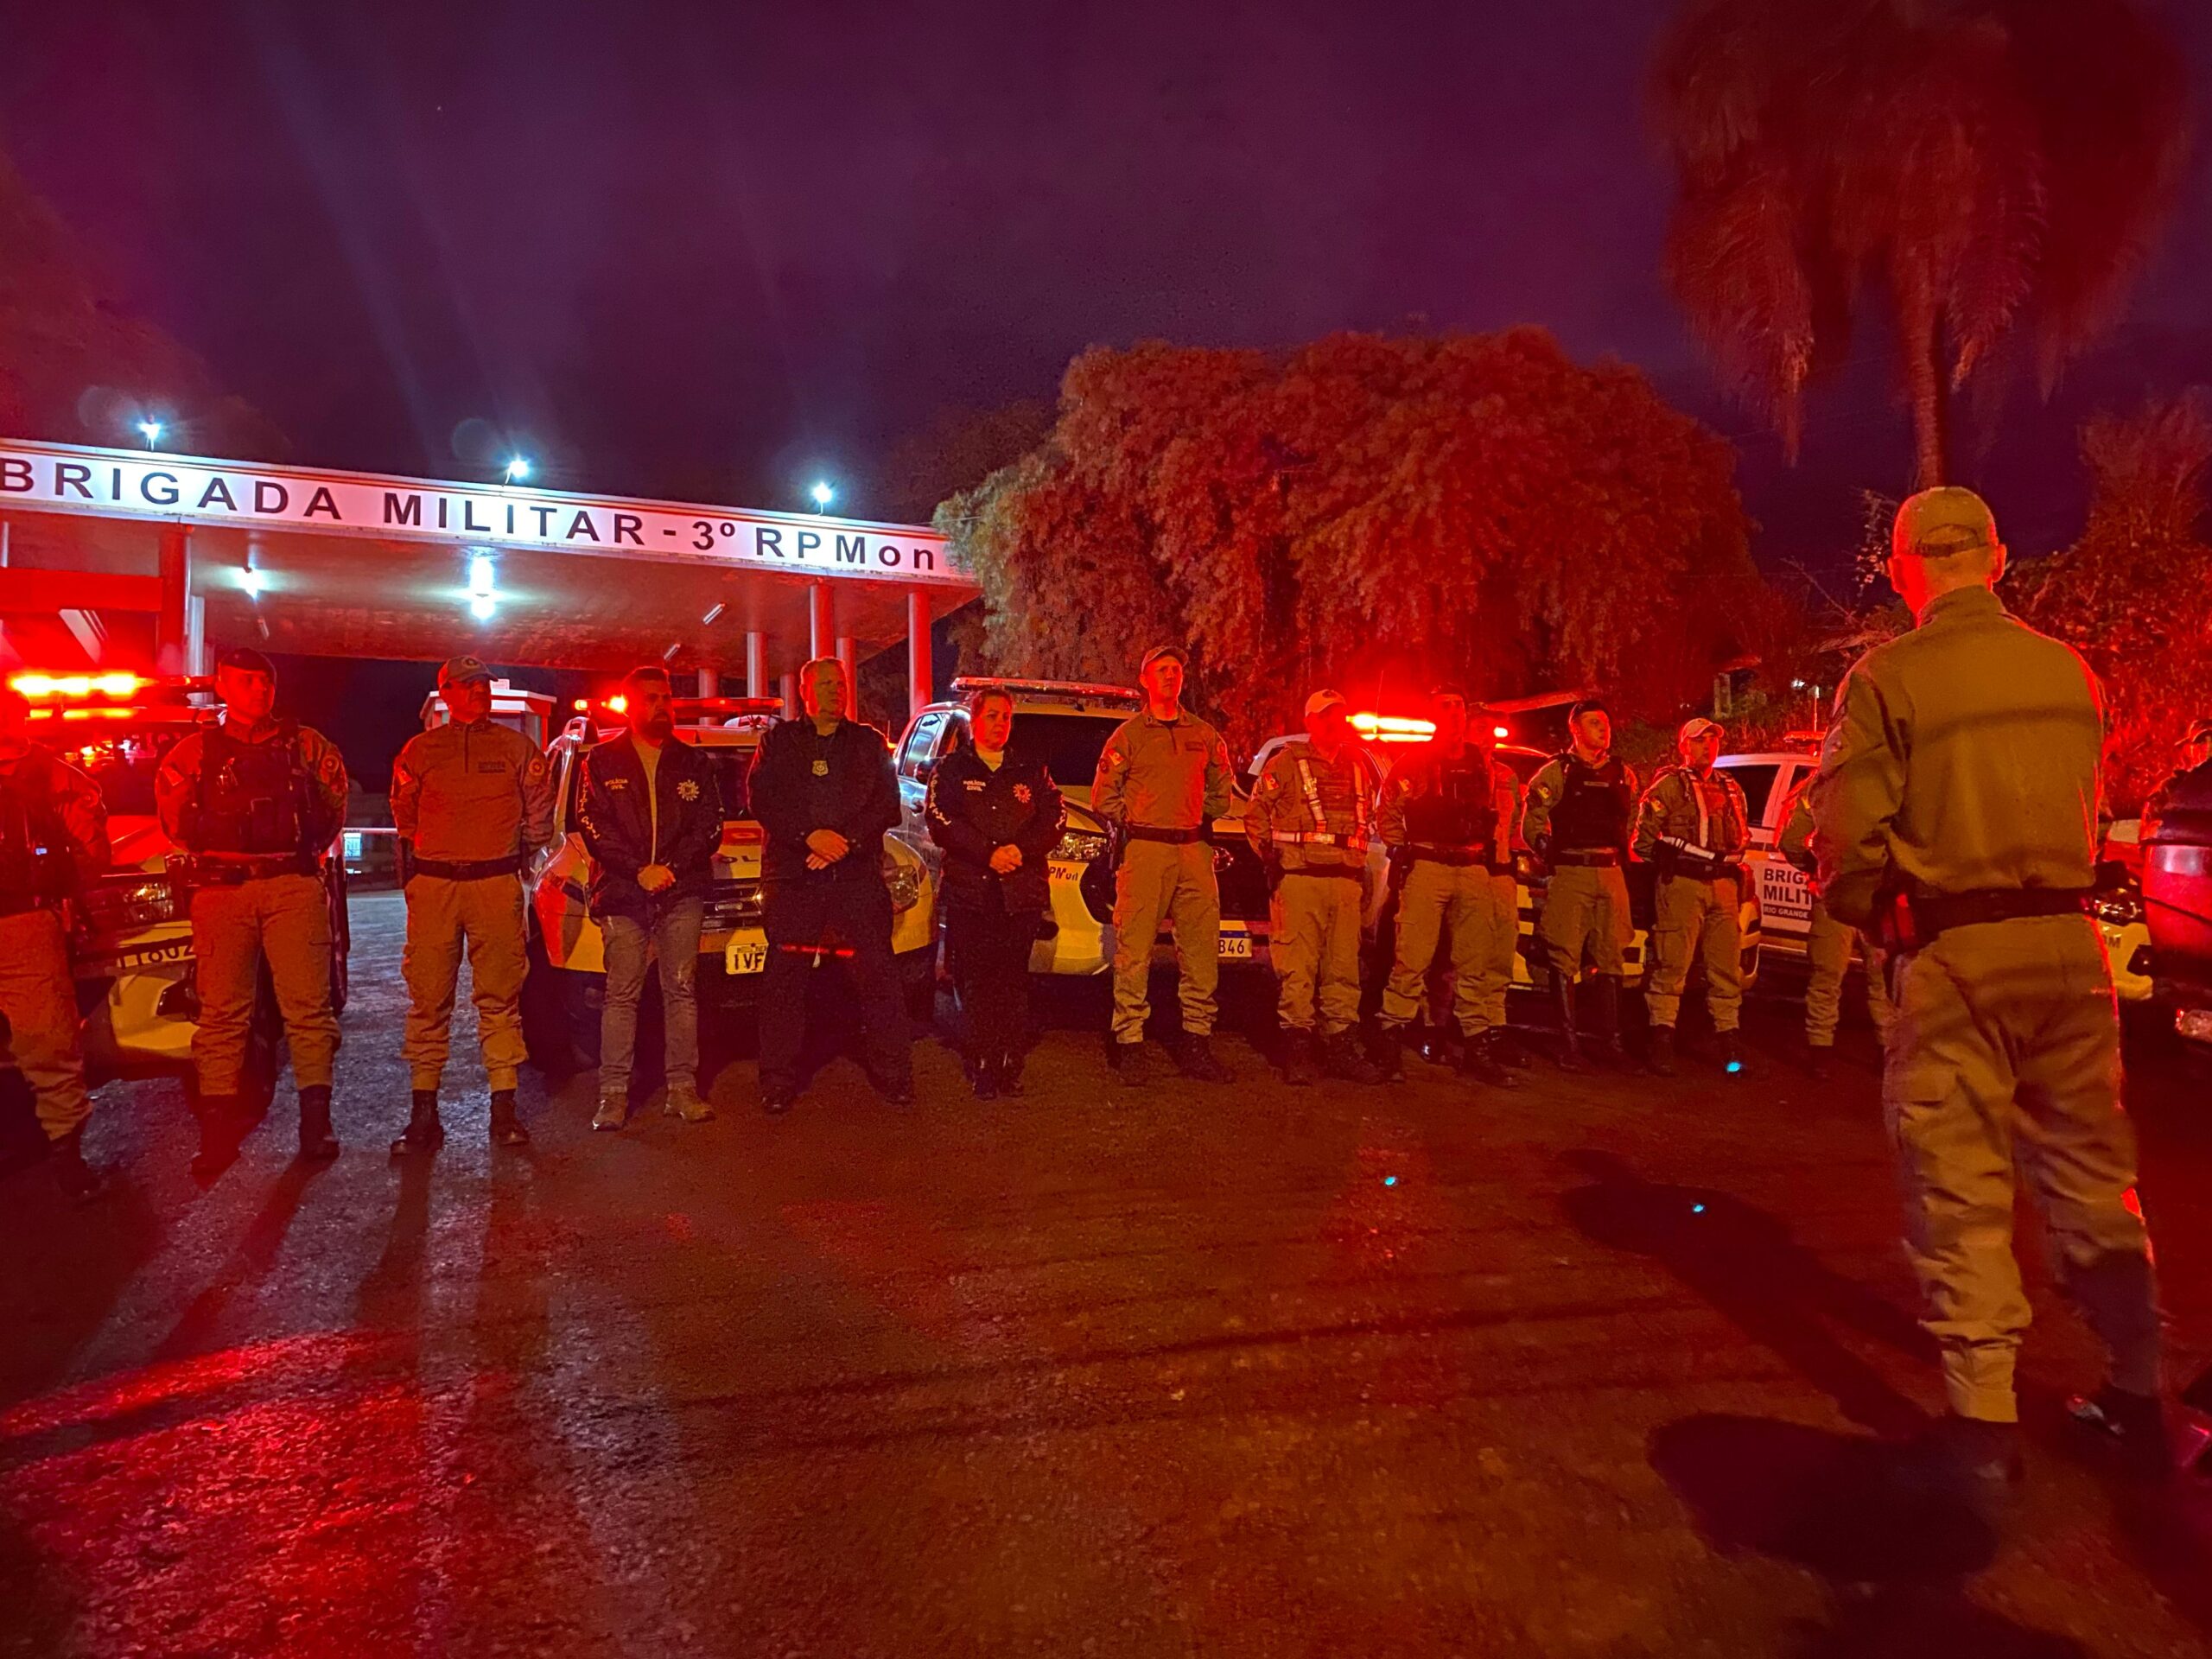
<point>1067,744</point>
<point>122,763</point>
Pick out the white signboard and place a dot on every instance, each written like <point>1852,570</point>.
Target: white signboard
<point>138,484</point>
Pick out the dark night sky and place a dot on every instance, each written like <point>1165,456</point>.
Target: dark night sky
<point>714,249</point>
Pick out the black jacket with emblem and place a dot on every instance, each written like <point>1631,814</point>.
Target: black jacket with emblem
<point>619,828</point>
<point>973,811</point>
<point>802,782</point>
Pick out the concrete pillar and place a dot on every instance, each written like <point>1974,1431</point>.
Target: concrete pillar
<point>822,616</point>
<point>848,653</point>
<point>789,687</point>
<point>195,637</point>
<point>921,680</point>
<point>170,623</point>
<point>756,664</point>
<point>710,683</point>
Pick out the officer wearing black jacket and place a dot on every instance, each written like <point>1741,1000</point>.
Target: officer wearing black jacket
<point>998,816</point>
<point>651,816</point>
<point>823,789</point>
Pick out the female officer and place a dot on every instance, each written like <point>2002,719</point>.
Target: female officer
<point>997,816</point>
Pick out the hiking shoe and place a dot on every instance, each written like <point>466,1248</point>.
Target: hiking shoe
<point>613,1112</point>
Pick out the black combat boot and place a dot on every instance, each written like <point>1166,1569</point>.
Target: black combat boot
<point>1478,1059</point>
<point>1605,1013</point>
<point>1388,1049</point>
<point>1732,1063</point>
<point>2133,1425</point>
<point>1010,1064</point>
<point>983,1078</point>
<point>78,1181</point>
<point>1341,1058</point>
<point>223,1128</point>
<point>1659,1055</point>
<point>1570,1042</point>
<point>1819,1061</point>
<point>1965,1461</point>
<point>317,1144</point>
<point>506,1127</point>
<point>423,1133</point>
<point>1127,1061</point>
<point>1298,1058</point>
<point>1195,1059</point>
<point>1510,1050</point>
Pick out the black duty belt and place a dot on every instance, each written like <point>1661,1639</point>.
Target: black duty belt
<point>1333,871</point>
<point>229,873</point>
<point>1436,854</point>
<point>482,869</point>
<point>1175,837</point>
<point>1938,912</point>
<point>1588,856</point>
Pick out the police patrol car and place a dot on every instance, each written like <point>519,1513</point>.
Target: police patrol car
<point>1067,722</point>
<point>130,937</point>
<point>1770,779</point>
<point>562,997</point>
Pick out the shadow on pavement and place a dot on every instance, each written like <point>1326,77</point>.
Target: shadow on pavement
<point>1897,1567</point>
<point>1745,1265</point>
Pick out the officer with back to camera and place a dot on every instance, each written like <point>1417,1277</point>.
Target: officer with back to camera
<point>253,804</point>
<point>1954,812</point>
<point>52,839</point>
<point>470,799</point>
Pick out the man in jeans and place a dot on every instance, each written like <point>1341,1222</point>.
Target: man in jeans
<point>651,815</point>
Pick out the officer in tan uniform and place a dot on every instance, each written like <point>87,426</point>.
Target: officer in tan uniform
<point>1827,950</point>
<point>471,800</point>
<point>1310,818</point>
<point>1954,812</point>
<point>1451,812</point>
<point>1694,825</point>
<point>254,804</point>
<point>52,839</point>
<point>1582,809</point>
<point>1163,777</point>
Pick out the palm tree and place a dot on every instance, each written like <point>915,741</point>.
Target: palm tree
<point>1989,166</point>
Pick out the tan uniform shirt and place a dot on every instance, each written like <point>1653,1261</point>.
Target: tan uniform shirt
<point>1163,775</point>
<point>1707,812</point>
<point>78,804</point>
<point>176,786</point>
<point>1311,813</point>
<point>467,794</point>
<point>1962,756</point>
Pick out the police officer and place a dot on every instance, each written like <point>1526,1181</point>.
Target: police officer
<point>997,816</point>
<point>2196,750</point>
<point>253,804</point>
<point>52,837</point>
<point>650,811</point>
<point>470,799</point>
<point>1450,815</point>
<point>1163,777</point>
<point>1310,818</point>
<point>823,789</point>
<point>1581,806</point>
<point>1827,950</point>
<point>1954,811</point>
<point>1695,827</point>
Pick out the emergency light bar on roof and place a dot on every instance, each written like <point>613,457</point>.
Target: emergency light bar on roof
<point>1393,728</point>
<point>130,483</point>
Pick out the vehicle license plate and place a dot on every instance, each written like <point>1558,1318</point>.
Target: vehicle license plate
<point>745,953</point>
<point>1237,947</point>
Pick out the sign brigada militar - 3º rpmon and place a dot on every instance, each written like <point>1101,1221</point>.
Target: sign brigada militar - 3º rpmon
<point>181,489</point>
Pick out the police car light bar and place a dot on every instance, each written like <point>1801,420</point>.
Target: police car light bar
<point>1393,728</point>
<point>968,683</point>
<point>682,706</point>
<point>39,687</point>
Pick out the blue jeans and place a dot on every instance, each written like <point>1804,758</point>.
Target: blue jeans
<point>674,938</point>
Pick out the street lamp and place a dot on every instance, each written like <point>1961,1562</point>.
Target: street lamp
<point>151,431</point>
<point>518,469</point>
<point>823,495</point>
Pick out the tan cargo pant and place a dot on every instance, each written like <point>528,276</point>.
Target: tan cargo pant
<point>486,913</point>
<point>287,919</point>
<point>1313,938</point>
<point>38,997</point>
<point>1161,880</point>
<point>1586,910</point>
<point>1482,911</point>
<point>2006,1047</point>
<point>1696,918</point>
<point>1828,951</point>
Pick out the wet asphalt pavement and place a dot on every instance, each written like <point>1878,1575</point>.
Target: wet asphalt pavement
<point>1589,1368</point>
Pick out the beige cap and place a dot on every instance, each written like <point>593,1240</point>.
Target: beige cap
<point>1938,523</point>
<point>1696,727</point>
<point>1158,651</point>
<point>1323,700</point>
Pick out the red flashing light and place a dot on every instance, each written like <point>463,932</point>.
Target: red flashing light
<point>1501,731</point>
<point>1392,729</point>
<point>619,703</point>
<point>41,687</point>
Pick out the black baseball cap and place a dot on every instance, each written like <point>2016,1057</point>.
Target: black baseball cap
<point>1588,705</point>
<point>245,660</point>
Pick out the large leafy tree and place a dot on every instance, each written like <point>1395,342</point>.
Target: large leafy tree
<point>1988,168</point>
<point>2134,593</point>
<point>1372,513</point>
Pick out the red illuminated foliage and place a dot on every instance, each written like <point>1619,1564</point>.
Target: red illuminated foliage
<point>1372,513</point>
<point>1992,166</point>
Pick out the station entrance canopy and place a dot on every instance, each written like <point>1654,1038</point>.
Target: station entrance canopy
<point>135,559</point>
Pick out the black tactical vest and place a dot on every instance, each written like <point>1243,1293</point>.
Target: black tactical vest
<point>35,862</point>
<point>1457,805</point>
<point>1595,805</point>
<point>256,797</point>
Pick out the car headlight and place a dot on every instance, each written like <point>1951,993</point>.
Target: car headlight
<point>905,881</point>
<point>114,906</point>
<point>1080,845</point>
<point>2122,908</point>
